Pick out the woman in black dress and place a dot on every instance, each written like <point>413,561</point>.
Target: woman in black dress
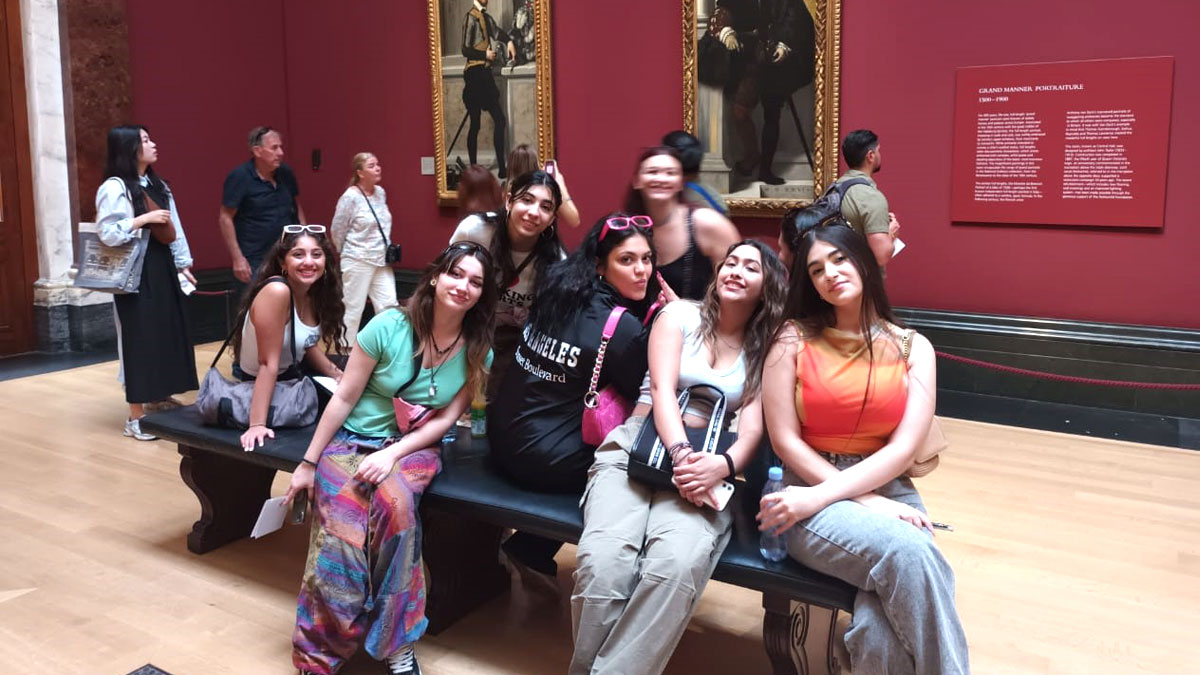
<point>134,202</point>
<point>689,242</point>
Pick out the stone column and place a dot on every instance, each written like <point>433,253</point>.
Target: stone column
<point>710,110</point>
<point>66,318</point>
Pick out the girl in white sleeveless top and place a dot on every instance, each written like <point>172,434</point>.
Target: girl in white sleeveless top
<point>295,288</point>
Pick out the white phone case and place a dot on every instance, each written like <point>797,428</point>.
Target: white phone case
<point>720,494</point>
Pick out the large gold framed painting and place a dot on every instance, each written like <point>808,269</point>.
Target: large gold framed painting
<point>760,82</point>
<point>491,84</point>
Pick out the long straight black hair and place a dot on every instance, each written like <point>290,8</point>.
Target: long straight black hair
<point>124,149</point>
<point>805,303</point>
<point>568,285</point>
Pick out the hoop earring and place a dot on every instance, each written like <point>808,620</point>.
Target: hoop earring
<point>433,282</point>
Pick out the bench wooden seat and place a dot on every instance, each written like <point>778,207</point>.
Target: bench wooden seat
<point>464,513</point>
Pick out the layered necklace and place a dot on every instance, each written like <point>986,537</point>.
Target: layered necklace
<point>439,361</point>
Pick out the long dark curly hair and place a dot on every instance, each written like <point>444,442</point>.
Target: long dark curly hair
<point>763,322</point>
<point>479,322</point>
<point>569,285</point>
<point>548,249</point>
<point>325,295</point>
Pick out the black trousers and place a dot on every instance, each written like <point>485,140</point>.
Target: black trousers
<point>480,94</point>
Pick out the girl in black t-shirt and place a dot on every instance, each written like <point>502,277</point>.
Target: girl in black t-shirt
<point>535,420</point>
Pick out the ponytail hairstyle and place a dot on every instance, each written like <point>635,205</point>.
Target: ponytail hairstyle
<point>568,285</point>
<point>124,150</point>
<point>359,161</point>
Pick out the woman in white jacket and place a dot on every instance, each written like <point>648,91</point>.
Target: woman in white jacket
<point>361,231</point>
<point>156,353</point>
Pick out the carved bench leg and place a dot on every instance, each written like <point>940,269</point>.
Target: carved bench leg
<point>778,630</point>
<point>464,571</point>
<point>231,495</point>
<point>791,628</point>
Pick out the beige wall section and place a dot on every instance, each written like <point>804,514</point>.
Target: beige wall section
<point>48,151</point>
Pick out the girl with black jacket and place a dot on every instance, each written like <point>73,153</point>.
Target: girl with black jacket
<point>535,420</point>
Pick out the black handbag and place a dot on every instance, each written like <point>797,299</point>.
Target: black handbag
<point>391,252</point>
<point>649,461</point>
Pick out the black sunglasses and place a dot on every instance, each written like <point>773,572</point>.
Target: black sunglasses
<point>469,247</point>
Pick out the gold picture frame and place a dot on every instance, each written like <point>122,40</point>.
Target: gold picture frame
<point>541,82</point>
<point>826,18</point>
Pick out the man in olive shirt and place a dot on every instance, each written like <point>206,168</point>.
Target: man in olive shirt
<point>864,206</point>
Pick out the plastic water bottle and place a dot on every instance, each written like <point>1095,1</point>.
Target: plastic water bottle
<point>771,545</point>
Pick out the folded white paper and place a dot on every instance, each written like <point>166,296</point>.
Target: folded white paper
<point>898,246</point>
<point>270,518</point>
<point>327,383</point>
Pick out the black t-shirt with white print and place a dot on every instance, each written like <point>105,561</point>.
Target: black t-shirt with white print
<point>535,421</point>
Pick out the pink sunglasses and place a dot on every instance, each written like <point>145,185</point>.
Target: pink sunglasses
<point>624,223</point>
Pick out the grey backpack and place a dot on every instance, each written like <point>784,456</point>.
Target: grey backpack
<point>224,403</point>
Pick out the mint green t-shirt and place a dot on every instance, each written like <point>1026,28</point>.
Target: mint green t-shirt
<point>387,338</point>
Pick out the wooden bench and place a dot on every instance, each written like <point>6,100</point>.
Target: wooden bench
<point>464,513</point>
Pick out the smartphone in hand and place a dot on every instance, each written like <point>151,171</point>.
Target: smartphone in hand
<point>552,167</point>
<point>299,508</point>
<point>720,494</point>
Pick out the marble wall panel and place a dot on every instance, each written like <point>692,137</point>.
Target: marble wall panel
<point>100,87</point>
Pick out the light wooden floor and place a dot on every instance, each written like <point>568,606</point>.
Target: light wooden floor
<point>1073,555</point>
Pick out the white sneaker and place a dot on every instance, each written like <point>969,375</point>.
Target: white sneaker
<point>133,428</point>
<point>403,662</point>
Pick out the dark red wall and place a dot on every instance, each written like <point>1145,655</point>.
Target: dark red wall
<point>356,77</point>
<point>898,62</point>
<point>204,74</point>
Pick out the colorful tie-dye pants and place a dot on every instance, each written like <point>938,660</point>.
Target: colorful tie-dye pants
<point>363,577</point>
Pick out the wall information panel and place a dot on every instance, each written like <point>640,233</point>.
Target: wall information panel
<point>1072,143</point>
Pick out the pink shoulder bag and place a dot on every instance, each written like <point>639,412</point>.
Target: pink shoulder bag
<point>605,410</point>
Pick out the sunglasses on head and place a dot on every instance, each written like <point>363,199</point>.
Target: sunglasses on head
<point>297,229</point>
<point>624,223</point>
<point>469,247</point>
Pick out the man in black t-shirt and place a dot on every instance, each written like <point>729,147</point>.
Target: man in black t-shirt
<point>259,198</point>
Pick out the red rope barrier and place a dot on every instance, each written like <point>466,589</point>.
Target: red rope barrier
<point>210,292</point>
<point>1069,378</point>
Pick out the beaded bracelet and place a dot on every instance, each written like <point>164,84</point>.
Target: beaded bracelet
<point>678,446</point>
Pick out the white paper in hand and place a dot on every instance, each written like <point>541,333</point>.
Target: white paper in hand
<point>897,247</point>
<point>327,383</point>
<point>270,518</point>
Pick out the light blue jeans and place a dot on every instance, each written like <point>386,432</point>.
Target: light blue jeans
<point>904,615</point>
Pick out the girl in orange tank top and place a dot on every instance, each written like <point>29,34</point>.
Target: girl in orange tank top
<point>846,413</point>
